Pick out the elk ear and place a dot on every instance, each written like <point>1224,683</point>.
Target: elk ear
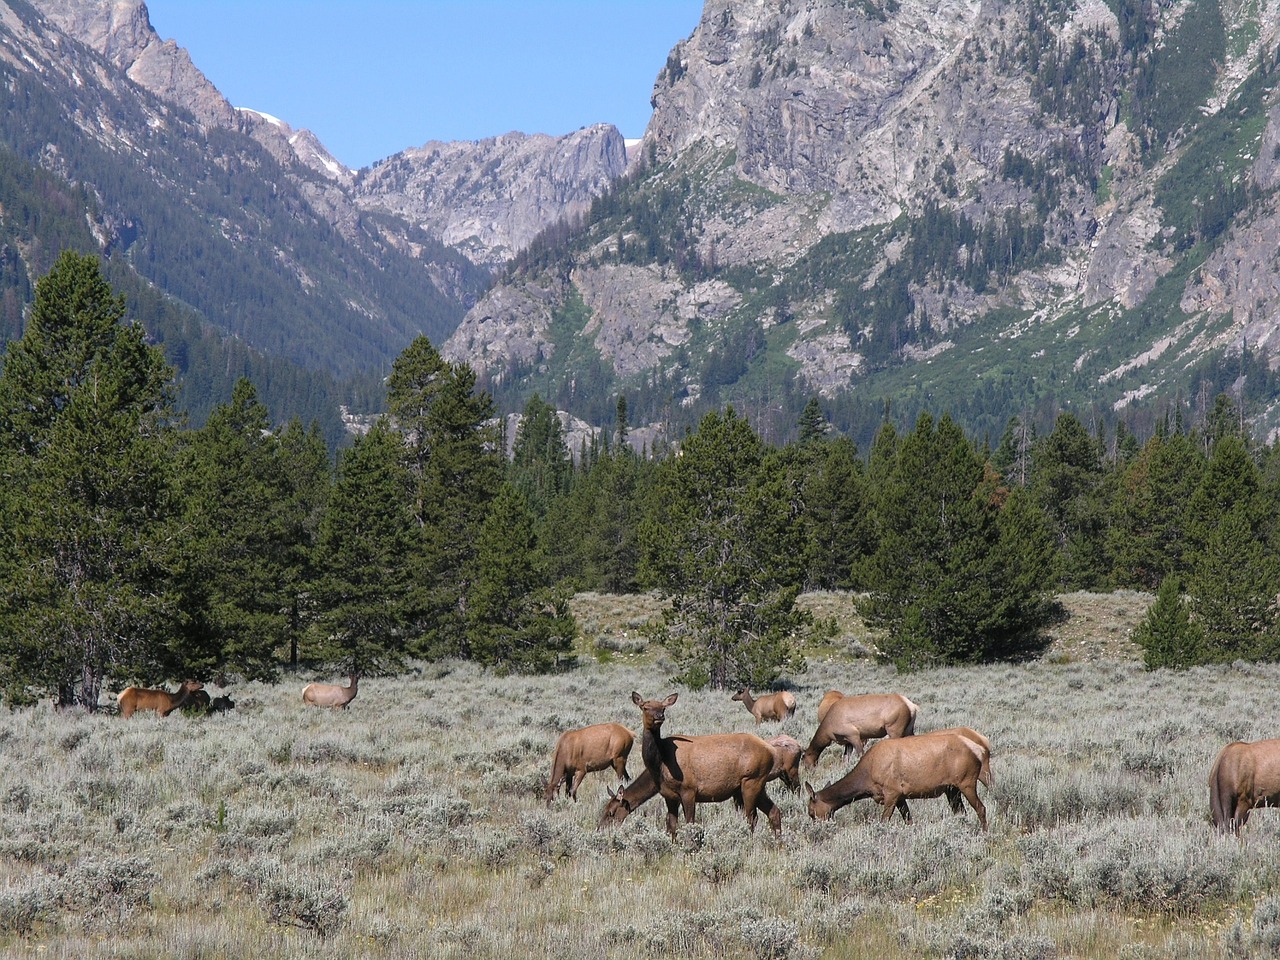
<point>612,795</point>
<point>809,786</point>
<point>670,700</point>
<point>636,698</point>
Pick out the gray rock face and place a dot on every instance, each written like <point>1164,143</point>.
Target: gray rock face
<point>490,198</point>
<point>822,117</point>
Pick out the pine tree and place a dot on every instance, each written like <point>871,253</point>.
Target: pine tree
<point>1167,635</point>
<point>540,465</point>
<point>304,461</point>
<point>1067,478</point>
<point>87,504</point>
<point>721,544</point>
<point>453,456</point>
<point>366,558</point>
<point>515,620</point>
<point>237,547</point>
<point>961,567</point>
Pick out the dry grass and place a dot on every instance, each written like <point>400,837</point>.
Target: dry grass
<point>412,824</point>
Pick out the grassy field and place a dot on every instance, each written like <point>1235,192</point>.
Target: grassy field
<point>412,825</point>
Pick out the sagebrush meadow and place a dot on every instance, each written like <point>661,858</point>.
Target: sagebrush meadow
<point>412,824</point>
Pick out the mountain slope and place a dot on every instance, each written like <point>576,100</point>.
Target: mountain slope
<point>992,208</point>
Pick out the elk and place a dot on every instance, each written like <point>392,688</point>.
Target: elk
<point>985,776</point>
<point>896,770</point>
<point>330,694</point>
<point>133,699</point>
<point>772,706</point>
<point>853,720</point>
<point>828,698</point>
<point>620,805</point>
<point>1244,776</point>
<point>579,752</point>
<point>222,704</point>
<point>706,769</point>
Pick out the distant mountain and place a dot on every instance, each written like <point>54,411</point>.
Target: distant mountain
<point>991,208</point>
<point>254,249</point>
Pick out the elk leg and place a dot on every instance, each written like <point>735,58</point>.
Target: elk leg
<point>971,794</point>
<point>899,804</point>
<point>689,802</point>
<point>771,810</point>
<point>673,815</point>
<point>620,768</point>
<point>953,798</point>
<point>751,798</point>
<point>578,775</point>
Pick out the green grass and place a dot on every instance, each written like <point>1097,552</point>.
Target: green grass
<point>412,824</point>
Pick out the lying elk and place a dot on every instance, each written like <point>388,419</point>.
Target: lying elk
<point>706,769</point>
<point>1245,775</point>
<point>772,706</point>
<point>894,771</point>
<point>852,721</point>
<point>583,751</point>
<point>330,694</point>
<point>620,805</point>
<point>133,699</point>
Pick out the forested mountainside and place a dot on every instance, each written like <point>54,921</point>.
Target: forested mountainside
<point>991,208</point>
<point>238,241</point>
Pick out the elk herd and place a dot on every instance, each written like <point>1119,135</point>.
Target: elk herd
<point>688,770</point>
<point>900,765</point>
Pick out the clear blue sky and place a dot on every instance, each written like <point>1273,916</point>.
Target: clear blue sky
<point>373,77</point>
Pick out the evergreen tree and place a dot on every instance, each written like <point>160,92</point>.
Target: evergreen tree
<point>304,461</point>
<point>515,620</point>
<point>1167,635</point>
<point>943,582</point>
<point>813,425</point>
<point>1148,536</point>
<point>453,456</point>
<point>721,545</point>
<point>87,502</point>
<point>237,546</point>
<point>1067,479</point>
<point>540,464</point>
<point>1233,585</point>
<point>366,555</point>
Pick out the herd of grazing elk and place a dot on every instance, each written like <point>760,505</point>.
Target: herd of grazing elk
<point>687,770</point>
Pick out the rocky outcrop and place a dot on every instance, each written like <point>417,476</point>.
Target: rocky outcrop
<point>490,198</point>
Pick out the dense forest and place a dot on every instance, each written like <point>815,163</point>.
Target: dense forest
<point>140,548</point>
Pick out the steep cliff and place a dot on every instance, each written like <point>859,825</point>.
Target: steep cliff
<point>988,205</point>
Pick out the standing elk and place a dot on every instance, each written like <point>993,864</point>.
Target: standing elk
<point>894,771</point>
<point>620,805</point>
<point>583,751</point>
<point>706,769</point>
<point>1245,775</point>
<point>330,694</point>
<point>771,706</point>
<point>133,699</point>
<point>852,721</point>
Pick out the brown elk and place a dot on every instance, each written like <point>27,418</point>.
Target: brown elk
<point>1244,776</point>
<point>896,770</point>
<point>786,767</point>
<point>583,751</point>
<point>133,699</point>
<point>330,694</point>
<point>771,706</point>
<point>852,721</point>
<point>985,776</point>
<point>706,769</point>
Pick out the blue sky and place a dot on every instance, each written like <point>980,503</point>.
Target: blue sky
<point>373,77</point>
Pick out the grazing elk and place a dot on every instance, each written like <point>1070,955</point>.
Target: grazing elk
<point>133,699</point>
<point>620,805</point>
<point>896,770</point>
<point>772,706</point>
<point>852,721</point>
<point>706,769</point>
<point>583,751</point>
<point>330,694</point>
<point>1245,775</point>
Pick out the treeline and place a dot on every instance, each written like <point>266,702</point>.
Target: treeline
<point>139,550</point>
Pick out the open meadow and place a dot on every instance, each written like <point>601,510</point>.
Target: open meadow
<point>413,824</point>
